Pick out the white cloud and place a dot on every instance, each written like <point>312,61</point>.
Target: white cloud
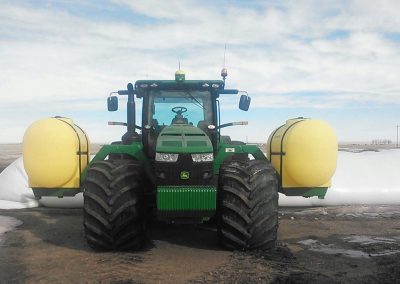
<point>52,59</point>
<point>368,15</point>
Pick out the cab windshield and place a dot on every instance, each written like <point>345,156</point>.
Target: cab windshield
<point>194,106</point>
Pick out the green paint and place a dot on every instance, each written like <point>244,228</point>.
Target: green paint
<point>179,198</point>
<point>183,139</point>
<point>305,191</point>
<point>226,150</point>
<point>135,150</point>
<point>55,192</point>
<point>142,86</point>
<point>171,143</point>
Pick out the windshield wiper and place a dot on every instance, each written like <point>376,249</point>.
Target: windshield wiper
<point>193,98</point>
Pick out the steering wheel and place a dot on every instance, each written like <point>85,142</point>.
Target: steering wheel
<point>179,110</point>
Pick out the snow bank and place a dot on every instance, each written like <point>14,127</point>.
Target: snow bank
<point>14,190</point>
<point>360,178</point>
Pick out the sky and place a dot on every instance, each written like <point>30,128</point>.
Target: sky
<point>338,61</point>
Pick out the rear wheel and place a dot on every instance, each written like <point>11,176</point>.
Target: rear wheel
<point>113,209</point>
<point>248,205</point>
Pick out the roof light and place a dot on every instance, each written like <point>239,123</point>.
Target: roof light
<point>180,76</point>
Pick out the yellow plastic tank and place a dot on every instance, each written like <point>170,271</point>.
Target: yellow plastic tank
<point>304,153</point>
<point>55,152</point>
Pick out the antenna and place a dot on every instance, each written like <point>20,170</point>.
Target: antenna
<point>223,65</point>
<point>179,65</point>
<point>224,71</point>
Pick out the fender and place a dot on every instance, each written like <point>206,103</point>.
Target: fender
<point>227,150</point>
<point>135,150</point>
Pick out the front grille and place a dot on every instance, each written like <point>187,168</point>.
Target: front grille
<point>176,173</point>
<point>180,198</point>
<point>186,201</point>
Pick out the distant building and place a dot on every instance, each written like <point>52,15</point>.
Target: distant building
<point>381,142</point>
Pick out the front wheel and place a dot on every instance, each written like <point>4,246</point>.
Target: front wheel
<point>248,205</point>
<point>113,210</point>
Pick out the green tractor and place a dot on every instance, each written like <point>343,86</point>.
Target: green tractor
<point>177,167</point>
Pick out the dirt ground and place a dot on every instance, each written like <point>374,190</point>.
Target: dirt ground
<point>356,244</point>
<point>345,244</point>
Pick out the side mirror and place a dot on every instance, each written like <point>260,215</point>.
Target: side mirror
<point>244,102</point>
<point>112,103</point>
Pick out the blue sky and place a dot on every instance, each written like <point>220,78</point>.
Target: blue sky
<point>333,60</point>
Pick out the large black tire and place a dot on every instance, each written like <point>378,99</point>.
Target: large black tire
<point>113,207</point>
<point>248,205</point>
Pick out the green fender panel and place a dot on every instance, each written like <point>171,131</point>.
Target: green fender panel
<point>135,150</point>
<point>227,150</point>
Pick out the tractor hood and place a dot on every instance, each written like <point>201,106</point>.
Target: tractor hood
<point>183,139</point>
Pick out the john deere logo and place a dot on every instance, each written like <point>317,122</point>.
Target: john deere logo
<point>185,175</point>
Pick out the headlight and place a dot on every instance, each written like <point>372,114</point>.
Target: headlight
<point>166,157</point>
<point>208,157</point>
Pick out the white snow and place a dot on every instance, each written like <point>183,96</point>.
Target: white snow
<point>360,178</point>
<point>14,190</point>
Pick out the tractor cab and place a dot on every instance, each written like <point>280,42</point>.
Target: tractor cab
<point>180,108</point>
<point>187,104</point>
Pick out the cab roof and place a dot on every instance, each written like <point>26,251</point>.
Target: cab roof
<point>214,86</point>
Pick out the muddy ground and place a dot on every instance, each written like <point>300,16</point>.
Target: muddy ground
<point>345,244</point>
<point>350,244</point>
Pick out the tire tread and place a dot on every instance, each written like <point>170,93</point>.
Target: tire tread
<point>248,205</point>
<point>113,215</point>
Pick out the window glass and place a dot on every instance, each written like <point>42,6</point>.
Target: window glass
<point>197,103</point>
